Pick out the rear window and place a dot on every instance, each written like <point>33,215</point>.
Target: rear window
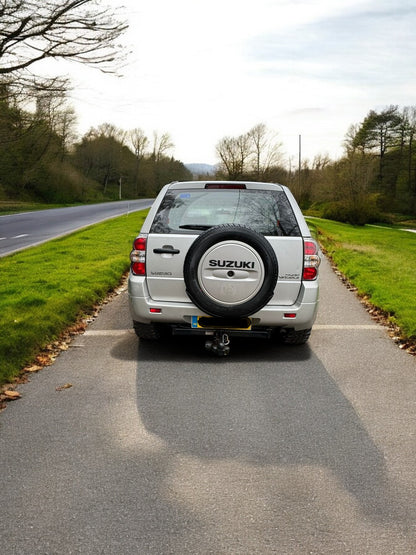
<point>268,212</point>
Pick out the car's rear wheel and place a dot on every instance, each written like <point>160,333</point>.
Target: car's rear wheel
<point>230,270</point>
<point>295,337</point>
<point>150,331</point>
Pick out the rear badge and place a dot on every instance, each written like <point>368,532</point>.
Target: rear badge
<point>290,276</point>
<point>231,264</point>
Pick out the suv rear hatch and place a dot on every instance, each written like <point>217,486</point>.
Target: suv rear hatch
<point>185,213</point>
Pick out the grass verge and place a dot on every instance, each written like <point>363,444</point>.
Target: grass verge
<point>380,263</point>
<point>45,289</point>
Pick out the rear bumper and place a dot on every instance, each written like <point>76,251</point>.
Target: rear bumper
<point>298,316</point>
<point>263,333</point>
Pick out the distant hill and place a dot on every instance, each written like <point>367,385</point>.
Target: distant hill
<point>201,169</point>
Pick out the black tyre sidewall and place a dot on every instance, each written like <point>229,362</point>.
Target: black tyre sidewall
<point>233,233</point>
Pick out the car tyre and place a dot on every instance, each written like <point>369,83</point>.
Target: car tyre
<point>150,332</point>
<point>295,337</point>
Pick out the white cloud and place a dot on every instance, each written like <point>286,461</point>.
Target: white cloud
<point>202,70</point>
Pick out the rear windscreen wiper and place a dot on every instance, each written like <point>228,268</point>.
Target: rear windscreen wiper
<point>195,226</point>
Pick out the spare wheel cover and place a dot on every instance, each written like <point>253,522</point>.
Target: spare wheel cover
<point>230,270</point>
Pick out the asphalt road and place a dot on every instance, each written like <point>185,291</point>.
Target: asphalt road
<point>20,231</point>
<point>161,449</point>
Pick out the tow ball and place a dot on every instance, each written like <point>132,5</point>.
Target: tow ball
<point>219,344</point>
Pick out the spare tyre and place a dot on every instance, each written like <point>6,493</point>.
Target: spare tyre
<point>230,270</point>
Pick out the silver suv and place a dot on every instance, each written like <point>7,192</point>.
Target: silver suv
<point>224,259</point>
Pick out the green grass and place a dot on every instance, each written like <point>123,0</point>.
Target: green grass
<point>44,289</point>
<point>380,262</point>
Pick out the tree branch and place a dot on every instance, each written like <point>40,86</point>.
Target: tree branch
<point>34,30</point>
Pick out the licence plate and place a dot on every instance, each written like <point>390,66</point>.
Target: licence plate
<point>212,322</point>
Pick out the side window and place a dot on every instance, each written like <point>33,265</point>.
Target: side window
<point>160,223</point>
<point>288,224</point>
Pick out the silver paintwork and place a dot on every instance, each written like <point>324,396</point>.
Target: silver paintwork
<point>163,287</point>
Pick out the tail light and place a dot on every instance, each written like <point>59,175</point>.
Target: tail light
<point>138,256</point>
<point>311,260</point>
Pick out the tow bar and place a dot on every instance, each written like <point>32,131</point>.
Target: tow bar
<point>219,344</point>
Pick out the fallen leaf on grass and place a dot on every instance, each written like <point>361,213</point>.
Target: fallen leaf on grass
<point>62,387</point>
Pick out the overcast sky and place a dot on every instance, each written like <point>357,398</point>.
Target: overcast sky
<point>203,70</point>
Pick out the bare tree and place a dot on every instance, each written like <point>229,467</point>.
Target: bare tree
<point>110,131</point>
<point>265,148</point>
<point>79,30</point>
<point>60,119</point>
<point>320,162</point>
<point>351,143</point>
<point>227,152</point>
<point>233,153</point>
<point>254,153</point>
<point>244,148</point>
<point>139,142</point>
<point>65,127</point>
<point>161,145</point>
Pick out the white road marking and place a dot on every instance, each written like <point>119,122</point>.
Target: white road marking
<point>346,327</point>
<point>20,236</point>
<point>105,333</point>
<point>116,333</point>
<point>386,227</point>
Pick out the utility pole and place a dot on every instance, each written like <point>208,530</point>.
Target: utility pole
<point>300,161</point>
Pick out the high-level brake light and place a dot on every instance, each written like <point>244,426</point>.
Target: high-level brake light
<point>225,186</point>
